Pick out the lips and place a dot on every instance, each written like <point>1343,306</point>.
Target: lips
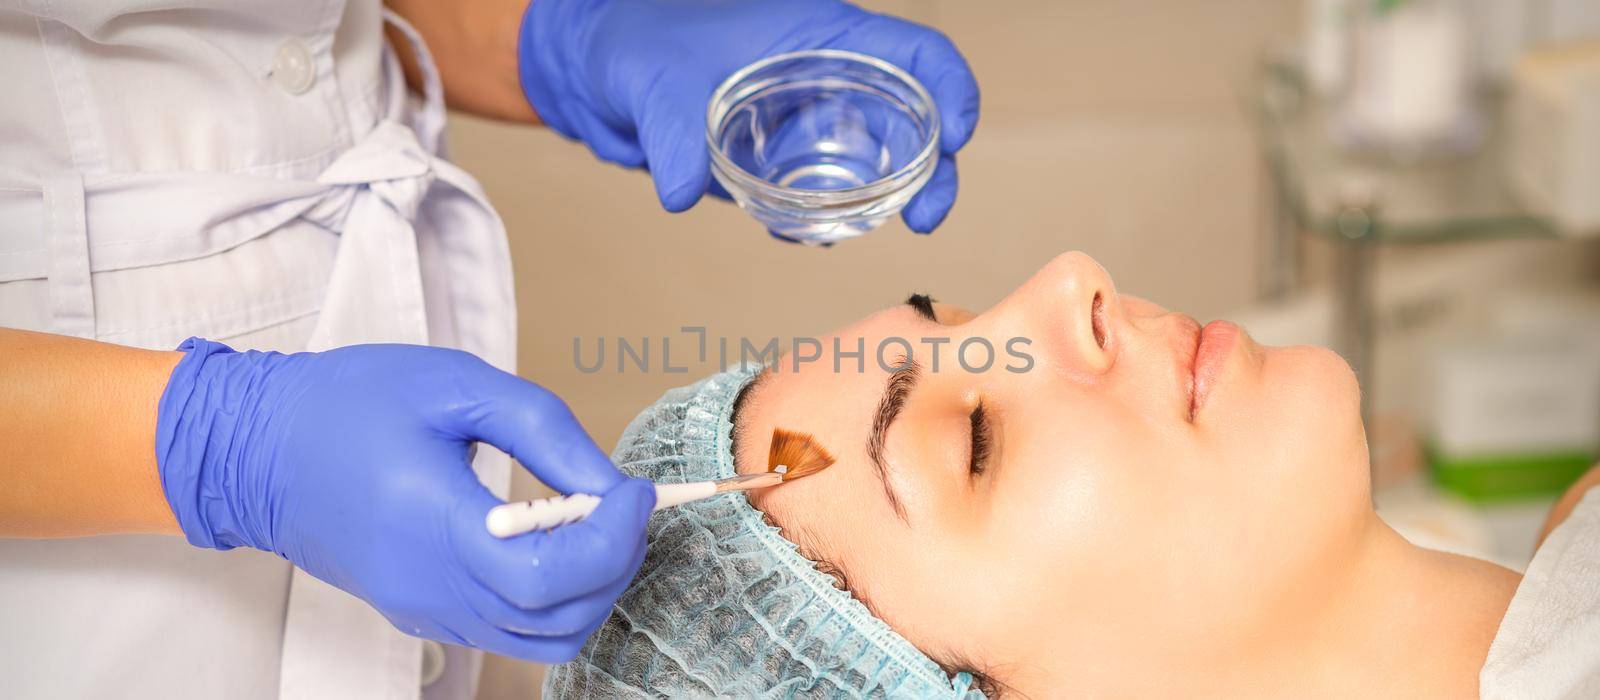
<point>1202,356</point>
<point>1210,360</point>
<point>1187,342</point>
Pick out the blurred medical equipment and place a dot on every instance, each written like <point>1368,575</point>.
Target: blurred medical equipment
<point>1501,33</point>
<point>1515,417</point>
<point>1408,75</point>
<point>1327,44</point>
<point>355,465</point>
<point>1411,86</point>
<point>820,146</point>
<point>1562,21</point>
<point>1555,135</point>
<point>724,605</point>
<point>1428,159</point>
<point>593,70</point>
<point>1516,408</point>
<point>792,456</point>
<point>1500,30</point>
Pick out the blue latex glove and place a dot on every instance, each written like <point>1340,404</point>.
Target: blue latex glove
<point>632,78</point>
<point>355,465</point>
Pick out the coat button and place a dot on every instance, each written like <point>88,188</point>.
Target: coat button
<point>292,68</point>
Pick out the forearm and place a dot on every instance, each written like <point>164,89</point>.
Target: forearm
<point>474,45</point>
<point>77,437</point>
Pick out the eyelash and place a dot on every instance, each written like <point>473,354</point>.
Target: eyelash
<point>982,440</point>
<point>982,432</point>
<point>924,306</point>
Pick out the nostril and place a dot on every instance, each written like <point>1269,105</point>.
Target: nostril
<point>1097,319</point>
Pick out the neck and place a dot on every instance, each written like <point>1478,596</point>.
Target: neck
<point>1404,621</point>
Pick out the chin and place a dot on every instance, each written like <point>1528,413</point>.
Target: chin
<point>1309,437</point>
<point>1336,378</point>
<point>1322,392</point>
<point>1313,369</point>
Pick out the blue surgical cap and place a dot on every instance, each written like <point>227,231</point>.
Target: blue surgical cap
<point>724,605</point>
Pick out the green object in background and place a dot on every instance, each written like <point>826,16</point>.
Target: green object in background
<point>1386,6</point>
<point>1486,478</point>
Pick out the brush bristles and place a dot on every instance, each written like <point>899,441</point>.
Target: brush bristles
<point>797,451</point>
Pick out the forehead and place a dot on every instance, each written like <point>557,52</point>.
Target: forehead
<point>829,389</point>
<point>841,514</point>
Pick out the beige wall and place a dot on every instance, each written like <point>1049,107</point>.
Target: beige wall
<point>1116,128</point>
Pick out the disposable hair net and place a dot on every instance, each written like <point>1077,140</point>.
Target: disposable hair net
<point>724,605</point>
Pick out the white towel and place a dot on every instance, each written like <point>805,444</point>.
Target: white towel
<point>1548,645</point>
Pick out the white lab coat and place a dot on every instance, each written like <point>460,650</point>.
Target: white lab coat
<point>250,172</point>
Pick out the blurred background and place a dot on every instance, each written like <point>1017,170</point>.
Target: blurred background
<point>1415,183</point>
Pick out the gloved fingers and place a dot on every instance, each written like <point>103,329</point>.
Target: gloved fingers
<point>535,426</point>
<point>606,143</point>
<point>546,650</point>
<point>543,569</point>
<point>562,620</point>
<point>672,132</point>
<point>932,204</point>
<point>930,57</point>
<point>717,190</point>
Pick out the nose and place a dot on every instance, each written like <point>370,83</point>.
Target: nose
<point>1071,309</point>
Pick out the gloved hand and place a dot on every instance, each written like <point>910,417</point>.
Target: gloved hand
<point>355,465</point>
<point>632,78</point>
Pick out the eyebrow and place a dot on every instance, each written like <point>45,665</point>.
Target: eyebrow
<point>895,393</point>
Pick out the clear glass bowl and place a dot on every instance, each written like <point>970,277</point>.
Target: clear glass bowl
<point>822,145</point>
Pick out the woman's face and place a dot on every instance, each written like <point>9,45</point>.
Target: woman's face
<point>1145,490</point>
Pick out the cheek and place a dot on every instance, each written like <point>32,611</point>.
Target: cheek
<point>1087,483</point>
<point>1082,462</point>
<point>1085,511</point>
<point>1095,538</point>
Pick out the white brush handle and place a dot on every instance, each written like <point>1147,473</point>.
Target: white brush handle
<point>512,519</point>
